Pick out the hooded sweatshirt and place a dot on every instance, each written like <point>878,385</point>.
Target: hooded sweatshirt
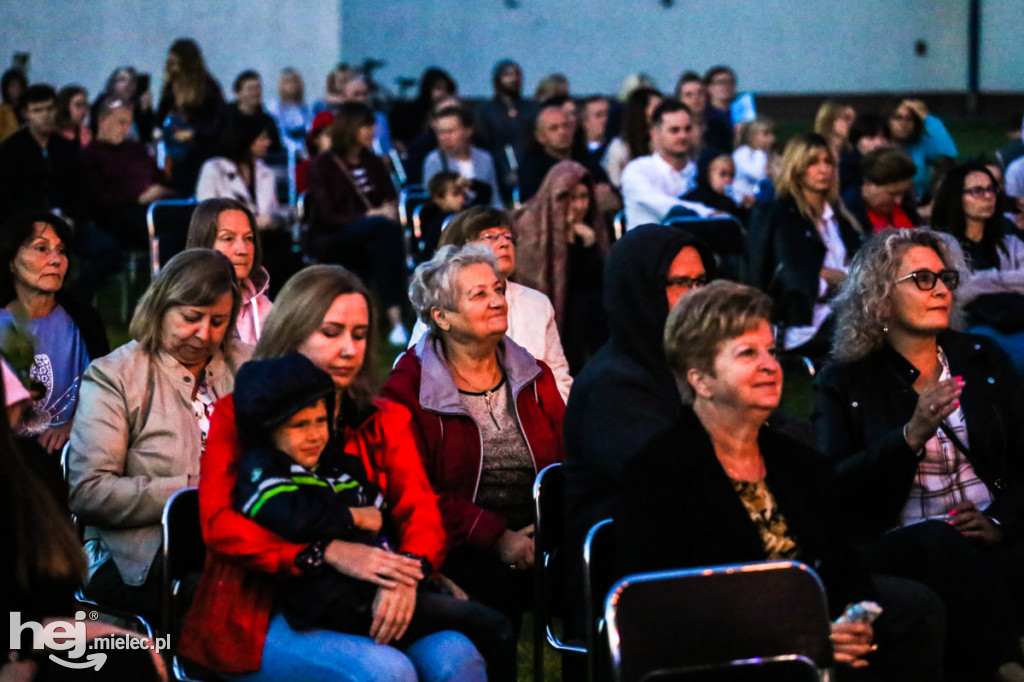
<point>626,396</point>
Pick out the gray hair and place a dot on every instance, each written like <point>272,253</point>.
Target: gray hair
<point>435,283</point>
<point>861,309</point>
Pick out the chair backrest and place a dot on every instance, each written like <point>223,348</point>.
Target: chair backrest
<point>716,617</point>
<point>549,530</point>
<point>167,222</point>
<point>184,551</point>
<point>599,573</point>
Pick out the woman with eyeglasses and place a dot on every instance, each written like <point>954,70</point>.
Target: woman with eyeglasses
<point>966,206</point>
<point>925,430</point>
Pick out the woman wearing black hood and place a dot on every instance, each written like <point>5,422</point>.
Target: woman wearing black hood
<point>626,396</point>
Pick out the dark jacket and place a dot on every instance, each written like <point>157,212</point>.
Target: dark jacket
<point>334,202</point>
<point>449,440</point>
<point>32,180</point>
<point>679,509</point>
<point>854,200</point>
<point>232,116</point>
<point>786,256</point>
<point>860,409</point>
<point>626,396</point>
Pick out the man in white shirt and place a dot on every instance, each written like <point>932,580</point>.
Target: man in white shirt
<point>652,185</point>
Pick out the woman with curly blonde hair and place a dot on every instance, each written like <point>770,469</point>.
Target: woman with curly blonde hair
<point>925,430</point>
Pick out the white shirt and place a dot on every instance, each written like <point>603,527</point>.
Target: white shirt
<point>220,179</point>
<point>651,188</point>
<point>531,324</point>
<point>750,170</point>
<point>835,259</point>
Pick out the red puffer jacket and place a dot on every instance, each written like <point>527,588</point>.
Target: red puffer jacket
<point>450,440</point>
<point>227,625</point>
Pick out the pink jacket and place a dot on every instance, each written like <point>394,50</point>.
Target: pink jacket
<point>255,307</point>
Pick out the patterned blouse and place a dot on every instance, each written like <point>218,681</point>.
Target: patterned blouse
<point>770,522</point>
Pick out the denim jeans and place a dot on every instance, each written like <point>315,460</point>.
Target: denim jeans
<point>327,655</point>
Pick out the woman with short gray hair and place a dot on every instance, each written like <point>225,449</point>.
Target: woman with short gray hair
<point>488,417</point>
<point>142,422</point>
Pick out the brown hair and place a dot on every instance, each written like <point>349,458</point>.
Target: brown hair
<point>706,318</point>
<point>345,130</point>
<point>299,309</point>
<point>202,229</point>
<point>467,226</point>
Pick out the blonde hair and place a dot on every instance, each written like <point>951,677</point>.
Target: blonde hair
<point>745,130</point>
<point>799,155</point>
<point>705,319</point>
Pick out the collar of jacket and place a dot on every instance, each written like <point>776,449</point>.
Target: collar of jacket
<point>438,392</point>
<point>957,348</point>
<point>255,284</point>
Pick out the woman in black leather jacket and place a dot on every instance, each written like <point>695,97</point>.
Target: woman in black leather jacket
<point>925,429</point>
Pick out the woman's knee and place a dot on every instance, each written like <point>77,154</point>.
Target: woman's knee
<point>447,656</point>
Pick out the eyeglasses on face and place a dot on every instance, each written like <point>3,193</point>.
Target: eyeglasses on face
<point>980,191</point>
<point>926,279</point>
<point>687,282</point>
<point>496,237</point>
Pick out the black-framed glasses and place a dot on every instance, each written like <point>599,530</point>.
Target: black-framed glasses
<point>979,192</point>
<point>687,282</point>
<point>926,279</point>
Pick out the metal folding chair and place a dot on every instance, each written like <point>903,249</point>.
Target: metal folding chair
<point>183,555</point>
<point>599,569</point>
<point>765,620</point>
<point>167,222</point>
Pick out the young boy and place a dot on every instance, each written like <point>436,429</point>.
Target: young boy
<point>293,481</point>
<point>447,197</point>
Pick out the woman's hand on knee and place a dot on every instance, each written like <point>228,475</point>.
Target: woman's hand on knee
<point>974,524</point>
<point>515,548</point>
<point>851,642</point>
<point>392,610</point>
<point>373,564</point>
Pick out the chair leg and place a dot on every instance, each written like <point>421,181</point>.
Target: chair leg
<point>539,638</point>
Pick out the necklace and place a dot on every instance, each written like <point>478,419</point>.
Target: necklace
<point>486,393</point>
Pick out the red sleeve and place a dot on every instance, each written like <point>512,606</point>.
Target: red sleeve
<point>226,531</point>
<point>411,500</point>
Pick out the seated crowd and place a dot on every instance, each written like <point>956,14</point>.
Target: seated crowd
<point>571,306</point>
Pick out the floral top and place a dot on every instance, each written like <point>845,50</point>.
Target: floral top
<point>202,408</point>
<point>771,524</point>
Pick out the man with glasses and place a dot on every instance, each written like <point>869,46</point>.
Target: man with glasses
<point>38,167</point>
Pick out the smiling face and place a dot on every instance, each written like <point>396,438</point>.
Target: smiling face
<point>304,435</point>
<point>235,240</point>
<point>481,313</point>
<point>41,263</point>
<point>338,345</point>
<point>746,375</point>
<point>190,333</point>
<point>917,312</point>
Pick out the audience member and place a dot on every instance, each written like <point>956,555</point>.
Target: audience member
<point>235,625</point>
<point>690,91</point>
<point>290,111</point>
<point>333,97</point>
<point>500,121</point>
<point>39,169</point>
<point>1014,174</point>
<point>411,119</point>
<point>247,111</point>
<point>924,137</point>
<point>487,417</point>
<point>240,172</point>
<point>447,190</point>
<point>12,85</point>
<point>72,114</point>
<point>552,142</point>
<point>653,185</point>
<point>720,85</point>
<point>760,494</point>
<point>562,243</point>
<point>454,128</point>
<point>318,141</point>
<point>593,116</point>
<point>886,197</point>
<point>635,138</point>
<point>801,242</point>
<point>993,292</point>
<point>353,211</point>
<point>143,421</point>
<point>754,142</point>
<point>123,84</point>
<point>227,225</point>
<point>553,85</point>
<point>894,415</point>
<point>715,189</point>
<point>833,122</point>
<point>531,317</point>
<point>625,397</point>
<point>65,335</point>
<point>867,134</point>
<point>189,114</point>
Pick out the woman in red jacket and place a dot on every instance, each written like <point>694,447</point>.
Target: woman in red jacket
<point>488,417</point>
<point>323,312</point>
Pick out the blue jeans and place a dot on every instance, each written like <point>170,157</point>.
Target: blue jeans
<point>327,655</point>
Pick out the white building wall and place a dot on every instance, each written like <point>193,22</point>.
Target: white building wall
<point>83,40</point>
